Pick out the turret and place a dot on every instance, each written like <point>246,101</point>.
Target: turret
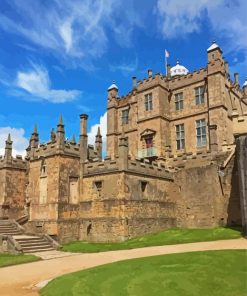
<point>112,91</point>
<point>60,134</point>
<point>8,149</point>
<point>214,52</point>
<point>83,137</point>
<point>98,144</point>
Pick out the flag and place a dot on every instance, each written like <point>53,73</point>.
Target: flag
<point>167,54</point>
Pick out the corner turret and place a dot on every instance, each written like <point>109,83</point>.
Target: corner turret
<point>98,144</point>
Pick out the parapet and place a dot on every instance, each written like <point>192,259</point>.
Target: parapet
<point>15,163</point>
<point>108,166</point>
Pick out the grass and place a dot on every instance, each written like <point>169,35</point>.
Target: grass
<point>168,237</point>
<point>10,259</point>
<point>213,273</point>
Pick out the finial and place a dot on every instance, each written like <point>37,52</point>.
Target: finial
<point>98,132</point>
<point>35,129</point>
<point>61,120</point>
<point>9,138</point>
<point>177,61</point>
<point>73,139</point>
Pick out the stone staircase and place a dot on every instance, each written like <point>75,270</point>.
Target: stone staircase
<point>33,244</point>
<point>9,228</point>
<point>22,242</point>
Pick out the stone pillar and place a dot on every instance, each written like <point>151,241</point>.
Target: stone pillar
<point>213,137</point>
<point>83,138</point>
<point>242,173</point>
<point>98,144</point>
<point>123,151</point>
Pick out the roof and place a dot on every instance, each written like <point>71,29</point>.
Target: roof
<point>113,86</point>
<point>179,70</point>
<point>213,46</point>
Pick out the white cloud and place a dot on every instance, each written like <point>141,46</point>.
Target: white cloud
<point>20,143</point>
<point>125,67</point>
<point>74,31</point>
<point>103,129</point>
<point>37,83</point>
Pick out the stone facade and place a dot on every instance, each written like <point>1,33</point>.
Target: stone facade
<point>170,162</point>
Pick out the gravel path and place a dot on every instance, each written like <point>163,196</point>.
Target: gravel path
<point>24,280</point>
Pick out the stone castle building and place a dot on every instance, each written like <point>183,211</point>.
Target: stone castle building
<point>170,161</point>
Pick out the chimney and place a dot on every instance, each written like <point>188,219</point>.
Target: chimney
<point>134,82</point>
<point>168,70</point>
<point>236,81</point>
<point>83,137</point>
<point>227,69</point>
<point>150,73</point>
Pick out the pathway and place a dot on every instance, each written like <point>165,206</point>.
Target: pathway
<point>20,280</point>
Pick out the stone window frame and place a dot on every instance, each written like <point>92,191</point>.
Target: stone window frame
<point>201,132</point>
<point>98,185</point>
<point>143,185</point>
<point>148,102</point>
<point>125,116</point>
<point>179,101</point>
<point>180,136</point>
<point>199,95</point>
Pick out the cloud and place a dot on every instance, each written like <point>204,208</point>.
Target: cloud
<point>37,84</point>
<point>177,18</point>
<point>20,143</point>
<point>125,67</point>
<point>103,129</point>
<point>76,32</point>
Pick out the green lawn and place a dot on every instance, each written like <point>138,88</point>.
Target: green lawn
<point>213,273</point>
<point>9,259</point>
<point>168,237</point>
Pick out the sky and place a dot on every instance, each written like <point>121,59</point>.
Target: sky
<point>58,57</point>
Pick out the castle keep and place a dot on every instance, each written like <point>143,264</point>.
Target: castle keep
<point>170,161</point>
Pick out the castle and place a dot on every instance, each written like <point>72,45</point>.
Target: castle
<point>170,161</point>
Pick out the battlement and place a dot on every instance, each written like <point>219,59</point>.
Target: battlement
<point>190,78</point>
<point>50,148</point>
<point>133,166</point>
<point>152,81</point>
<point>15,163</point>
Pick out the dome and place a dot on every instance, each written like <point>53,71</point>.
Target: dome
<point>245,83</point>
<point>179,70</point>
<point>113,86</point>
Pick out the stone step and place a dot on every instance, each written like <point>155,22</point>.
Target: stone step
<point>31,240</point>
<point>27,244</point>
<point>38,250</point>
<point>10,232</point>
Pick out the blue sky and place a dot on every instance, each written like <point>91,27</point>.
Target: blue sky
<point>60,56</point>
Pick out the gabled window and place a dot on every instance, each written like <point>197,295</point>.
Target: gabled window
<point>180,136</point>
<point>201,134</point>
<point>125,116</point>
<point>199,95</point>
<point>179,101</point>
<point>148,102</point>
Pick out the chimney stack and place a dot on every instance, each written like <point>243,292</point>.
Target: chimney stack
<point>150,73</point>
<point>134,82</point>
<point>168,69</point>
<point>236,80</point>
<point>83,137</point>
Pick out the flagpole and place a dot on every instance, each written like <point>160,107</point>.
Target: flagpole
<point>166,63</point>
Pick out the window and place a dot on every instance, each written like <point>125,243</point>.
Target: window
<point>201,132</point>
<point>148,102</point>
<point>180,136</point>
<point>143,186</point>
<point>199,94</point>
<point>179,101</point>
<point>125,116</point>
